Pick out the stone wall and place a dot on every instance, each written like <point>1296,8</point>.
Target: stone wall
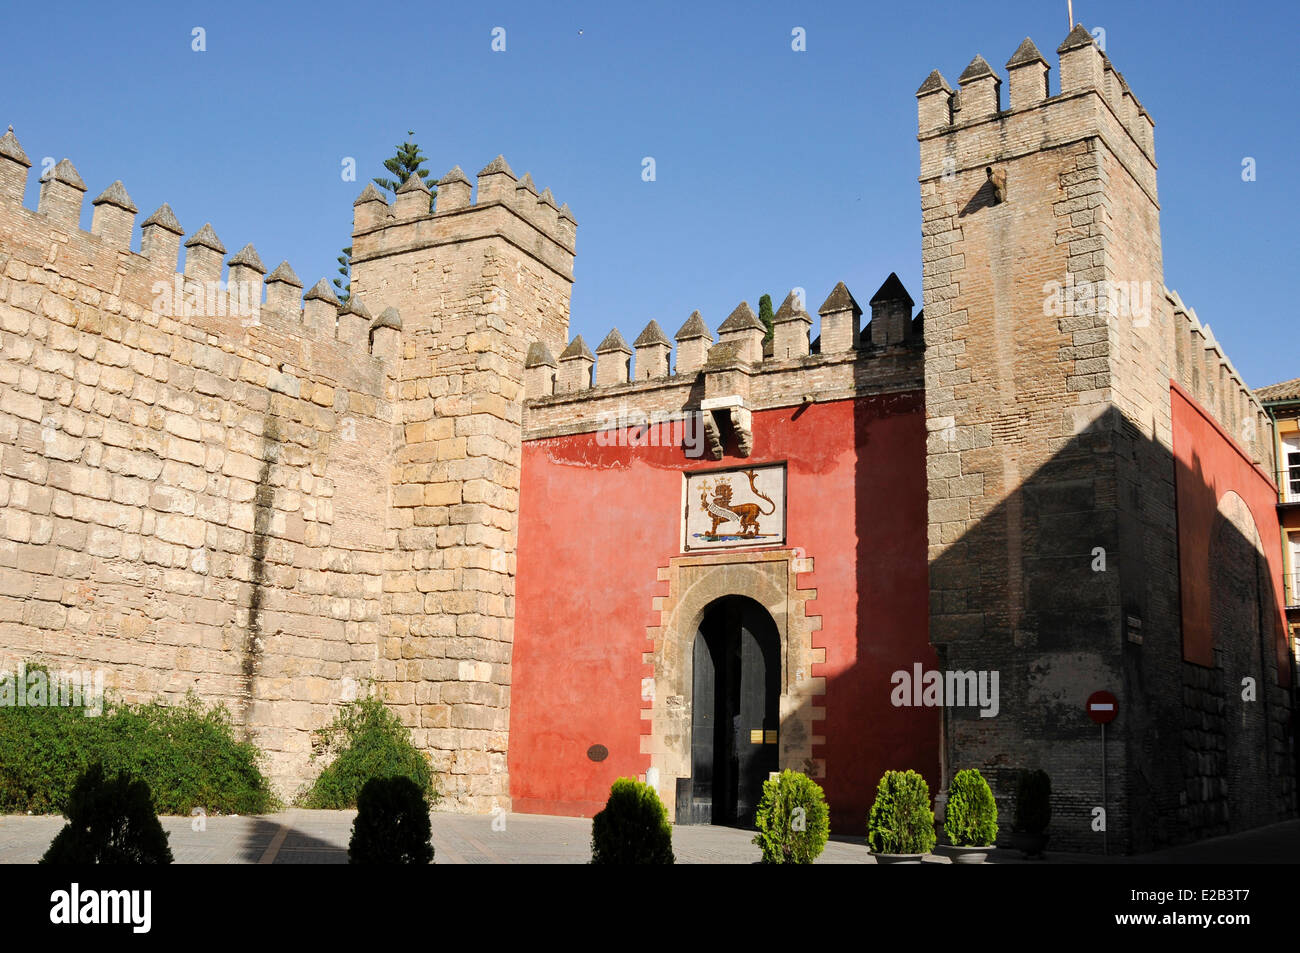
<point>188,498</point>
<point>474,283</point>
<point>228,487</point>
<point>1050,346</point>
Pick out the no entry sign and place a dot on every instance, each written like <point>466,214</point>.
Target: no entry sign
<point>1102,707</point>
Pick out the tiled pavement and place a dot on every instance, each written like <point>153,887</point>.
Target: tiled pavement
<point>321,837</point>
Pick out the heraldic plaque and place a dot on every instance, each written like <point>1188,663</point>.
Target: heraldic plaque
<point>726,509</point>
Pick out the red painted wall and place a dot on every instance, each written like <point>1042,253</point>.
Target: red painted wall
<point>1209,464</point>
<point>597,522</point>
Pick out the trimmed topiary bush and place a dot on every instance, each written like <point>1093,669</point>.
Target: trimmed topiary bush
<point>110,821</point>
<point>971,816</point>
<point>793,820</point>
<point>1033,802</point>
<point>633,827</point>
<point>187,754</point>
<point>392,825</point>
<point>900,820</point>
<point>366,741</point>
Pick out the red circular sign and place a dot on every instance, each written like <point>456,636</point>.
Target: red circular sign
<point>1102,707</point>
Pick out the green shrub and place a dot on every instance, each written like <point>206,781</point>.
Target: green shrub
<point>971,816</point>
<point>633,827</point>
<point>366,741</point>
<point>900,821</point>
<point>392,825</point>
<point>110,821</point>
<point>187,754</point>
<point>793,820</point>
<point>1033,802</point>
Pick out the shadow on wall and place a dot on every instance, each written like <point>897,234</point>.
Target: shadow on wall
<point>871,734</point>
<point>858,733</point>
<point>1071,585</point>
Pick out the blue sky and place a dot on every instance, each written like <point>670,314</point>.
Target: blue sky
<point>774,168</point>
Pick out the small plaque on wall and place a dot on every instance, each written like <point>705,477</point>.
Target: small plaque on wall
<point>726,509</point>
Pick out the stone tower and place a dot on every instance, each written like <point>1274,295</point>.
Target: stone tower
<point>1049,350</point>
<point>470,285</point>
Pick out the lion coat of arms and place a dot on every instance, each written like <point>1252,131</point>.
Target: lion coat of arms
<point>716,501</point>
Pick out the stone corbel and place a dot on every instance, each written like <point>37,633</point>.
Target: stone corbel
<point>712,438</point>
<point>742,422</point>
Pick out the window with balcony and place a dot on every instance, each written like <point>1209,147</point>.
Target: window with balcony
<point>1291,471</point>
<point>1293,571</point>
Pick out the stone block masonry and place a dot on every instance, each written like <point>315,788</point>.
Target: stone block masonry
<point>187,482</point>
<point>189,471</point>
<point>276,500</point>
<point>475,282</point>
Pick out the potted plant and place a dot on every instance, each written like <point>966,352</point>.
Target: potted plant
<point>1033,811</point>
<point>970,818</point>
<point>110,821</point>
<point>392,824</point>
<point>900,826</point>
<point>793,820</point>
<point>633,827</point>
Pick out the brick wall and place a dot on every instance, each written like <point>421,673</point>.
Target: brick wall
<point>1051,341</point>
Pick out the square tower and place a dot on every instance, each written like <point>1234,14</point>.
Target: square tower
<point>1052,525</point>
<point>470,284</point>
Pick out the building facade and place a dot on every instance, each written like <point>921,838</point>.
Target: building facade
<point>919,542</point>
<point>1282,402</point>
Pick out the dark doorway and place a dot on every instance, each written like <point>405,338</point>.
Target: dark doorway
<point>735,713</point>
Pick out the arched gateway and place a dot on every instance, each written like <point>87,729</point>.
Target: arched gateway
<point>732,696</point>
<point>735,714</point>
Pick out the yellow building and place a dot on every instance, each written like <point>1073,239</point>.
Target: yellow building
<point>1282,401</point>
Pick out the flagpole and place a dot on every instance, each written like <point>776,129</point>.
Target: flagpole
<point>1070,5</point>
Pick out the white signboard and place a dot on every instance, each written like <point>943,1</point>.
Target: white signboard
<point>726,509</point>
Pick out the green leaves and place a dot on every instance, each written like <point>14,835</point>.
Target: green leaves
<point>407,162</point>
<point>344,284</point>
<point>186,753</point>
<point>900,820</point>
<point>366,741</point>
<point>633,827</point>
<point>793,819</point>
<point>971,816</point>
<point>766,315</point>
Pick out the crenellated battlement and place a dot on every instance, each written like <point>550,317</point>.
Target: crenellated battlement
<point>153,277</point>
<point>505,206</point>
<point>1206,372</point>
<point>1072,404</point>
<point>1092,99</point>
<point>216,476</point>
<point>579,390</point>
<point>199,453</point>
